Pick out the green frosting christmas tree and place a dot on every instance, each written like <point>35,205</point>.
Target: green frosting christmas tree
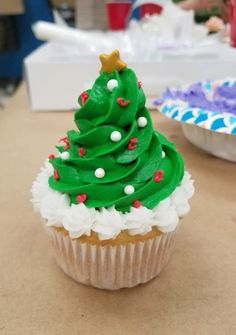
<point>116,158</point>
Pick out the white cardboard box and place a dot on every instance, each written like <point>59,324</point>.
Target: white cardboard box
<point>55,78</point>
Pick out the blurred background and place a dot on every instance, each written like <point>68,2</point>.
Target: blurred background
<point>44,41</point>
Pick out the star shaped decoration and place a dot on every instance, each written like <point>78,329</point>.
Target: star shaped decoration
<point>112,62</point>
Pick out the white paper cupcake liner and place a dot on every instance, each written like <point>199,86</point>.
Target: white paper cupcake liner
<point>218,144</point>
<point>111,267</point>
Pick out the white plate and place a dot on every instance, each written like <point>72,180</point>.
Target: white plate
<point>218,144</point>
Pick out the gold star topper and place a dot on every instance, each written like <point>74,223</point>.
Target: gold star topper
<point>112,62</point>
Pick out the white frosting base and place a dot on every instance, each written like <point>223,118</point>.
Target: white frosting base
<point>79,220</point>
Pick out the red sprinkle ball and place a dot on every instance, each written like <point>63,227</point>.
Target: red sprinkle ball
<point>158,175</point>
<point>55,175</point>
<point>81,197</point>
<point>137,204</point>
<point>51,156</point>
<point>84,97</point>
<point>139,84</point>
<point>122,102</point>
<point>81,151</point>
<point>132,143</point>
<point>65,140</point>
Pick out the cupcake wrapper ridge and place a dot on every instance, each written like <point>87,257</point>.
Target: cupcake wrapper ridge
<point>111,267</point>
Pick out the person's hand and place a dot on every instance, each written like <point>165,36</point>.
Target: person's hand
<point>199,4</point>
<point>207,4</point>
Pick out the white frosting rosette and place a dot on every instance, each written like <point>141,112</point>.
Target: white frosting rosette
<point>80,220</point>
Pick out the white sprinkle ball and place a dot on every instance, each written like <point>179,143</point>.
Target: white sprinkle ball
<point>112,83</point>
<point>65,155</point>
<point>115,136</point>
<point>163,154</point>
<point>99,173</point>
<point>142,122</point>
<point>129,189</point>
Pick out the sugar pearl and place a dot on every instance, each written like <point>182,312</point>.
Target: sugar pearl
<point>115,136</point>
<point>129,189</point>
<point>142,122</point>
<point>99,173</point>
<point>112,83</point>
<point>65,155</point>
<point>163,154</point>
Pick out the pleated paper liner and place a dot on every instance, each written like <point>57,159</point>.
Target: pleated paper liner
<point>111,267</point>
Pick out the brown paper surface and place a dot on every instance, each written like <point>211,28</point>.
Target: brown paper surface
<point>196,292</point>
<point>11,7</point>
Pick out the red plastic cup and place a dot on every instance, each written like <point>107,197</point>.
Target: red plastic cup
<point>233,23</point>
<point>149,9</point>
<point>118,13</point>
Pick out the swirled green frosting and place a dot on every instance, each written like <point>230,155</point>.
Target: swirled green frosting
<point>138,166</point>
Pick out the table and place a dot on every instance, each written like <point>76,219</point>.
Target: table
<point>195,294</point>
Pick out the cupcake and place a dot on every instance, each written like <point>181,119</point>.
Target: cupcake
<point>207,113</point>
<point>112,198</point>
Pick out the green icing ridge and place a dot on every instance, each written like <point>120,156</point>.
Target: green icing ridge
<point>97,118</point>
